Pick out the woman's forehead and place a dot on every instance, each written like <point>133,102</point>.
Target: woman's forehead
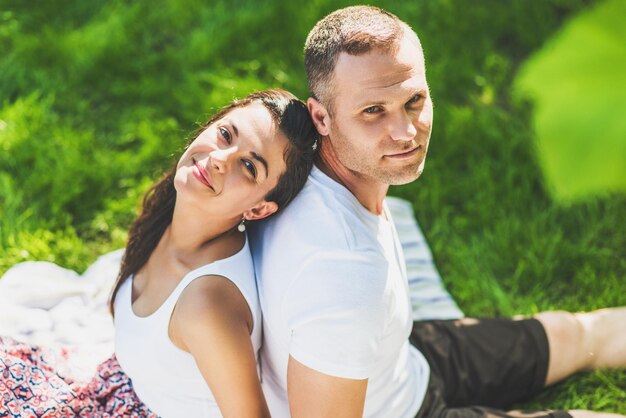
<point>251,119</point>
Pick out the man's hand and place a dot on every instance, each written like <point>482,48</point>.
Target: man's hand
<point>317,395</point>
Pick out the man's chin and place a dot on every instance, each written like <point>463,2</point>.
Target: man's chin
<point>402,178</point>
<point>405,175</point>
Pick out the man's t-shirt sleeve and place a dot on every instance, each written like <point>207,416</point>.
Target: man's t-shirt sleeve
<point>334,309</point>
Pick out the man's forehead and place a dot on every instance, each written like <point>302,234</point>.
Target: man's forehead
<point>382,80</point>
<point>379,69</point>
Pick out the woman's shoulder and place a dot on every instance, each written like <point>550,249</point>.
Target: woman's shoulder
<point>210,304</point>
<point>211,295</point>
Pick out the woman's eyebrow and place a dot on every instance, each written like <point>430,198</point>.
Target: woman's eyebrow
<point>235,128</point>
<point>262,160</point>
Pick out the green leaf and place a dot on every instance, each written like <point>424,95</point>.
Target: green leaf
<point>577,84</point>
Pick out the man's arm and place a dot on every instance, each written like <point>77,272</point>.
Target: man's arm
<point>317,395</point>
<point>335,313</point>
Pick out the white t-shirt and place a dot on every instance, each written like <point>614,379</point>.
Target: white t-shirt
<point>166,378</point>
<point>333,291</point>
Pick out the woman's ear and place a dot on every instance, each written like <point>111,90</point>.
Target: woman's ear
<point>319,114</point>
<point>260,211</point>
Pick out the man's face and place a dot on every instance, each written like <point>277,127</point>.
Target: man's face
<point>382,113</point>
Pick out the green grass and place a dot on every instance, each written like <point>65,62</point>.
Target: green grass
<point>97,96</point>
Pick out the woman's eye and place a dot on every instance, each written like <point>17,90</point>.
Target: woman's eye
<point>373,109</point>
<point>250,167</point>
<point>226,135</point>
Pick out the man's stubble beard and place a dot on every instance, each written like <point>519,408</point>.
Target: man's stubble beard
<point>393,176</point>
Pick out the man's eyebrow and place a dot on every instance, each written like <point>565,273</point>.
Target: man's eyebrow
<point>372,103</point>
<point>261,160</point>
<point>383,102</point>
<point>420,92</point>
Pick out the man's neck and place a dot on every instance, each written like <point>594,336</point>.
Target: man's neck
<point>369,193</point>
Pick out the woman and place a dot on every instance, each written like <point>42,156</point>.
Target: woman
<point>187,319</point>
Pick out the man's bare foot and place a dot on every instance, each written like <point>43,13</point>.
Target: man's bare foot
<point>579,413</point>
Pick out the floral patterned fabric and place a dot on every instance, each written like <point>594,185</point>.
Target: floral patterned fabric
<point>31,386</point>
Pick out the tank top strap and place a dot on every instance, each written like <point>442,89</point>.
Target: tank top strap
<point>223,267</point>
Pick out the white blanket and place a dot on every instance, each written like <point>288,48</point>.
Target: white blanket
<point>44,304</point>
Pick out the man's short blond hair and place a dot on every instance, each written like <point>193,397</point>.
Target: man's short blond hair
<point>355,30</point>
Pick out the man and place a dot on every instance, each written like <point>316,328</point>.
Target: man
<point>338,336</point>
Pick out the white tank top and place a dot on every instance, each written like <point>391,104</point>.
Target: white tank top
<point>166,378</point>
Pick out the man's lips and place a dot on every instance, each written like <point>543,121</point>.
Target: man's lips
<point>202,175</point>
<point>404,154</point>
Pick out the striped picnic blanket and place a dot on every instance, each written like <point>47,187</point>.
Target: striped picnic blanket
<point>429,297</point>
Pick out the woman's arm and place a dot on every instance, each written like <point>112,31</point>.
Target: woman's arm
<point>212,321</point>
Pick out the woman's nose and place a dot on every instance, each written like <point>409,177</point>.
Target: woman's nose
<point>220,158</point>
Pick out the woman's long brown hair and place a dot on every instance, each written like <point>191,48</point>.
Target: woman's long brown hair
<point>293,121</point>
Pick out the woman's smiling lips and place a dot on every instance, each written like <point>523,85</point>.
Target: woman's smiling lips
<point>202,175</point>
<point>406,154</point>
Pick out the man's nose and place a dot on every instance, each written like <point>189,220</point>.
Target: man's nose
<point>402,127</point>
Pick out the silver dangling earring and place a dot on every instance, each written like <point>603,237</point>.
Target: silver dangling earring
<point>242,225</point>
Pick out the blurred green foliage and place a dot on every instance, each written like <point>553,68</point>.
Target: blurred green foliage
<point>577,84</point>
<point>97,99</point>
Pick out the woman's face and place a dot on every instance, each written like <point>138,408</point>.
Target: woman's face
<point>230,167</point>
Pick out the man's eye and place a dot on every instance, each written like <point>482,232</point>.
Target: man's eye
<point>226,135</point>
<point>414,100</point>
<point>373,109</point>
<point>250,167</point>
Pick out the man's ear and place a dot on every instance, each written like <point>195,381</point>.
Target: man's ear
<point>320,116</point>
<point>260,211</point>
